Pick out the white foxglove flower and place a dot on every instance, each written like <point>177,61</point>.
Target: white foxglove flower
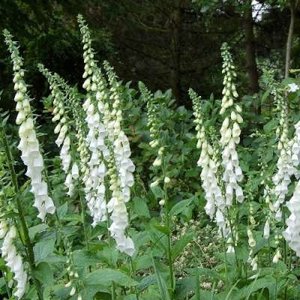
<point>230,132</point>
<point>293,87</point>
<point>108,145</point>
<point>62,129</point>
<point>96,172</point>
<point>277,256</point>
<point>12,259</point>
<point>288,161</point>
<point>266,234</point>
<point>254,263</point>
<point>121,167</point>
<point>292,232</point>
<point>251,240</point>
<point>29,145</point>
<point>215,204</point>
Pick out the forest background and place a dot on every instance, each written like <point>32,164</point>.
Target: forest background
<point>164,43</point>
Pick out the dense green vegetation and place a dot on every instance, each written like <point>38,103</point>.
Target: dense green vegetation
<point>151,154</point>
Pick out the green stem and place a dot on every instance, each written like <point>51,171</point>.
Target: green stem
<point>225,254</point>
<point>285,249</point>
<point>197,288</point>
<point>113,291</point>
<point>169,245</point>
<point>7,288</point>
<point>169,254</point>
<point>233,241</point>
<point>83,220</point>
<point>133,274</point>
<point>30,253</point>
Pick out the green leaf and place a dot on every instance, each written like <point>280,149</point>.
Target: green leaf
<point>44,273</point>
<point>162,228</point>
<point>143,262</point>
<point>164,293</point>
<point>140,207</point>
<point>34,230</point>
<point>180,206</point>
<point>62,210</point>
<point>43,249</point>
<point>146,282</point>
<point>180,245</point>
<point>83,258</point>
<point>267,282</point>
<point>158,192</point>
<point>106,277</point>
<point>270,126</point>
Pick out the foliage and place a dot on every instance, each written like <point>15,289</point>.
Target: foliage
<point>84,250</point>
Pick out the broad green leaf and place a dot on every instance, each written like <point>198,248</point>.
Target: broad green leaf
<point>267,282</point>
<point>82,258</point>
<point>162,228</point>
<point>143,262</point>
<point>146,282</point>
<point>162,285</point>
<point>34,230</point>
<point>62,210</point>
<point>43,249</point>
<point>140,207</point>
<point>180,206</point>
<point>270,126</point>
<point>158,192</point>
<point>106,277</point>
<point>44,273</point>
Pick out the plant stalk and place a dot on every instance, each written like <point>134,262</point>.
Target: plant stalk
<point>30,253</point>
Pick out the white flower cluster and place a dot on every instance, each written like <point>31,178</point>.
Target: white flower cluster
<point>288,161</point>
<point>292,232</point>
<point>69,166</point>
<point>95,173</point>
<point>209,175</point>
<point>154,123</point>
<point>228,69</point>
<point>108,145</point>
<point>230,132</point>
<point>12,259</point>
<point>29,145</point>
<point>117,137</point>
<point>120,166</point>
<point>117,208</point>
<point>252,259</point>
<point>293,87</point>
<point>79,117</point>
<point>252,243</point>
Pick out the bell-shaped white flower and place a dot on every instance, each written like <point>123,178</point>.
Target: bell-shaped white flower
<point>29,145</point>
<point>13,260</point>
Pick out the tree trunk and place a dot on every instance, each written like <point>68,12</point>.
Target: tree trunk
<point>175,32</point>
<point>250,49</point>
<point>293,5</point>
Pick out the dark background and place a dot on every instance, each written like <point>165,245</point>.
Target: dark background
<point>166,44</point>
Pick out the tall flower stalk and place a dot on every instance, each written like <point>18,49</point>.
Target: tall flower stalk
<point>29,145</point>
<point>95,85</point>
<point>109,147</point>
<point>9,225</point>
<point>292,232</point>
<point>155,105</point>
<point>230,131</point>
<point>215,205</point>
<point>63,129</point>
